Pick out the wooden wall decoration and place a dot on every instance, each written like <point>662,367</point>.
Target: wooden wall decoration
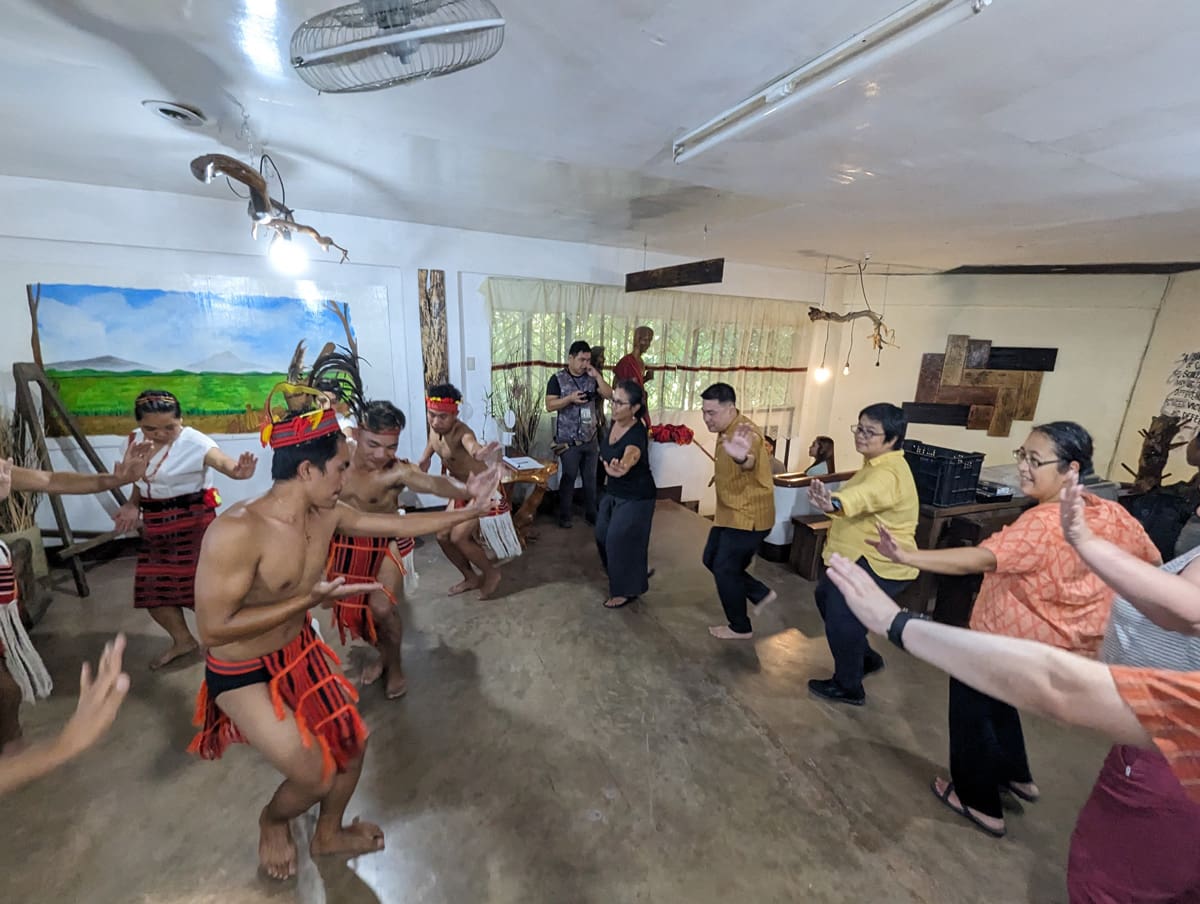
<point>435,349</point>
<point>980,386</point>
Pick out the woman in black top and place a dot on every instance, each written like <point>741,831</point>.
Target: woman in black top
<point>627,508</point>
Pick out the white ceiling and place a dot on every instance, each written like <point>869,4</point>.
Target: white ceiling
<point>1037,132</point>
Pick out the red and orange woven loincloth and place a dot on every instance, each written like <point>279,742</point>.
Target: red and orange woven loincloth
<point>358,559</point>
<point>300,679</point>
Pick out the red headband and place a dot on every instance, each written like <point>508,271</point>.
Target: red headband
<point>436,403</point>
<point>300,429</point>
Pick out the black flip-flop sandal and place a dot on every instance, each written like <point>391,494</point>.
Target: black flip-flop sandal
<point>1017,792</point>
<point>962,810</point>
<point>628,600</point>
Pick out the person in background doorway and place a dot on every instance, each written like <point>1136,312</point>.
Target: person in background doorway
<point>777,467</point>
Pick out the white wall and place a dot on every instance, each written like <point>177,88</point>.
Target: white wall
<point>55,231</point>
<point>1099,324</point>
<point>1176,332</point>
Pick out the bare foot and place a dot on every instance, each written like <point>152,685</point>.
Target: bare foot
<point>489,585</point>
<point>724,632</point>
<point>371,672</point>
<point>764,602</point>
<point>463,586</point>
<point>175,651</point>
<point>350,841</point>
<point>276,850</point>
<point>397,685</point>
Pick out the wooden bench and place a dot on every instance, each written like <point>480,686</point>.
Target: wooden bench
<point>808,542</point>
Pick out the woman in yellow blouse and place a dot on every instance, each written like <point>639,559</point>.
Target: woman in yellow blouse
<point>882,491</point>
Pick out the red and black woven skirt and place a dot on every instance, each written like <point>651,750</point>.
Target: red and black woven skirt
<point>172,532</point>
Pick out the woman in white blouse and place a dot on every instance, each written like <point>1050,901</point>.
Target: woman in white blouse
<point>176,501</point>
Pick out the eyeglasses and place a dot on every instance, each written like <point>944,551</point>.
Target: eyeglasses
<point>864,432</point>
<point>1024,458</point>
<point>618,403</point>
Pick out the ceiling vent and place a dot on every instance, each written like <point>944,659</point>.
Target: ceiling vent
<point>180,114</point>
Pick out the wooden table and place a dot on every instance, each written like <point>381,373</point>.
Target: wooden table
<point>539,477</point>
<point>932,523</point>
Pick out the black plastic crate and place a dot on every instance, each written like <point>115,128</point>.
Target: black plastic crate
<point>943,476</point>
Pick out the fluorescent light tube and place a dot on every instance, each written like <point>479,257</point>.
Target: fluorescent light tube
<point>888,36</point>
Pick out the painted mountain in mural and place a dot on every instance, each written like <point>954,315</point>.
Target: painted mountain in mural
<point>108,363</point>
<point>227,363</point>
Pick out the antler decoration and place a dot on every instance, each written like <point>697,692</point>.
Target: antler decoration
<point>264,210</point>
<point>882,335</point>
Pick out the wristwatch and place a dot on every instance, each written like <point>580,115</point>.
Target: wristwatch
<point>895,632</point>
<point>836,503</point>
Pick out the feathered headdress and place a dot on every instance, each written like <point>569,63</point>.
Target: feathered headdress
<point>336,370</point>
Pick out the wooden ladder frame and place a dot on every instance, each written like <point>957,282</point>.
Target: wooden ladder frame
<point>29,418</point>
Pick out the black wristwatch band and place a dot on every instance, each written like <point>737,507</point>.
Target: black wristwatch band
<point>895,631</point>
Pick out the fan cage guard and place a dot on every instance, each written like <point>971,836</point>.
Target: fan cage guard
<point>362,46</point>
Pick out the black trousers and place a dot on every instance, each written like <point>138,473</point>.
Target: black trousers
<point>987,748</point>
<point>623,540</point>
<point>727,554</point>
<point>845,634</point>
<point>577,461</point>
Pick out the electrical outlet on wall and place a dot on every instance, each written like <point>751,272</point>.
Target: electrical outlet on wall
<point>470,362</point>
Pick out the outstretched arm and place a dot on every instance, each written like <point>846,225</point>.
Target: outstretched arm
<point>67,483</point>
<point>491,452</point>
<point>241,468</point>
<point>99,700</point>
<point>963,560</point>
<point>415,479</point>
<point>1022,673</point>
<point>1171,601</point>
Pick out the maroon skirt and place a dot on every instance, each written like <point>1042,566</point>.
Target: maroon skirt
<point>172,532</point>
<point>1137,839</point>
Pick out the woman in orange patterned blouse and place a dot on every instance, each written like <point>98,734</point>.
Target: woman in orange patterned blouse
<point>1142,707</point>
<point>1035,587</point>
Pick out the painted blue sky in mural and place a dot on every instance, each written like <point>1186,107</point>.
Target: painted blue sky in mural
<point>120,329</point>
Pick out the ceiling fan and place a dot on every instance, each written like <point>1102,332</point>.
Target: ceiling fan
<point>375,44</point>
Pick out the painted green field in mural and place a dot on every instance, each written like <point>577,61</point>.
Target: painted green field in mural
<point>90,393</point>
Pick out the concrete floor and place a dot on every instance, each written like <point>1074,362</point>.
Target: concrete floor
<point>551,751</point>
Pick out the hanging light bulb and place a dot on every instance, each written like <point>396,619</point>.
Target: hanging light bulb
<point>287,256</point>
<point>821,374</point>
<point>846,370</point>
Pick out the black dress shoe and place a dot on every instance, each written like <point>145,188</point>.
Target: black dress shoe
<point>873,664</point>
<point>835,693</point>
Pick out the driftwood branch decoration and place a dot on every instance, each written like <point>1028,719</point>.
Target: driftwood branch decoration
<point>1158,442</point>
<point>34,295</point>
<point>882,335</point>
<point>264,210</point>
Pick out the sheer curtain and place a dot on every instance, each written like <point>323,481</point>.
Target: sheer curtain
<point>756,344</point>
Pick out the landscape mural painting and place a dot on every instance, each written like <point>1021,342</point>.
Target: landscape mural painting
<point>220,352</point>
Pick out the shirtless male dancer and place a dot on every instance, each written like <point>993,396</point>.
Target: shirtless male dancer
<point>462,455</point>
<point>269,680</point>
<point>373,483</point>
